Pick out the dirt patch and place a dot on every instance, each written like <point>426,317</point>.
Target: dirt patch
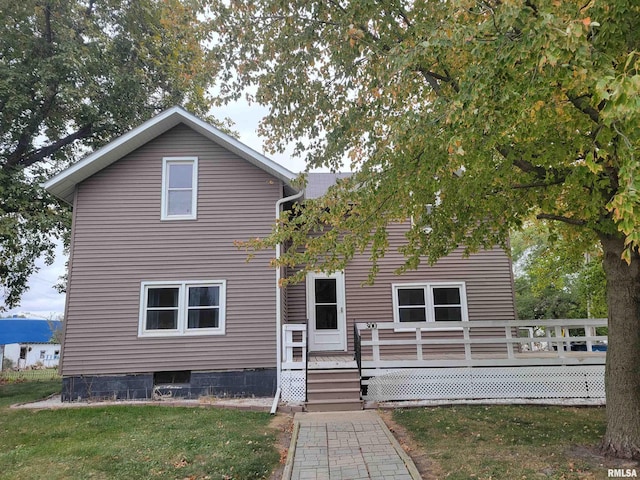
<point>283,424</point>
<point>592,456</point>
<point>428,469</point>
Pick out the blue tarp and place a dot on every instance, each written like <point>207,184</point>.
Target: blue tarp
<point>24,330</point>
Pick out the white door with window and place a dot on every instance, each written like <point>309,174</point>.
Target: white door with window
<point>326,312</point>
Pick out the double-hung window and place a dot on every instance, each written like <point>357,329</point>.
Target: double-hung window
<point>179,188</point>
<point>429,302</point>
<point>182,308</point>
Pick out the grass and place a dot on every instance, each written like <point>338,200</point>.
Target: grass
<point>508,442</point>
<point>130,442</point>
<point>22,392</point>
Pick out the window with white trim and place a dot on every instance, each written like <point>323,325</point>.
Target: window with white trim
<point>179,188</point>
<point>429,302</point>
<point>182,308</point>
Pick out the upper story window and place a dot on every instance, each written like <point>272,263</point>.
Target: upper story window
<point>182,308</point>
<point>179,188</point>
<point>430,302</point>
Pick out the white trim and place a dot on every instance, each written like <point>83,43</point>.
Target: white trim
<point>183,308</point>
<point>63,185</point>
<point>166,162</point>
<point>341,331</point>
<point>430,308</point>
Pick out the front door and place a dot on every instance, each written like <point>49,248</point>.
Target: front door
<point>326,312</point>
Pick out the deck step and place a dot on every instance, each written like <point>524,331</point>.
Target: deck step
<point>352,393</point>
<point>334,382</point>
<point>333,405</point>
<point>333,375</point>
<point>325,365</point>
<point>333,390</point>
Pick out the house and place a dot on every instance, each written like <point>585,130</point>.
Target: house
<point>27,342</point>
<point>160,301</point>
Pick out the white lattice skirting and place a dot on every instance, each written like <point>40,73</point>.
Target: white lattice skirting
<point>477,383</point>
<point>293,386</point>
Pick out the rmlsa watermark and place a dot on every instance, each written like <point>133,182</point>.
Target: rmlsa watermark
<point>622,473</point>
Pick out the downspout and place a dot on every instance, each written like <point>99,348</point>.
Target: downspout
<point>274,406</point>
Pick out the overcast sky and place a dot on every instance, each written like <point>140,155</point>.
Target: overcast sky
<point>42,300</point>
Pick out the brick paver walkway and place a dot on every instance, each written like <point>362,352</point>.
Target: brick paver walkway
<point>346,445</point>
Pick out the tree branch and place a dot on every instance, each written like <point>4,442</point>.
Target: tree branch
<point>557,181</point>
<point>32,128</point>
<point>44,152</point>
<point>581,103</point>
<point>560,218</point>
<point>528,167</point>
<point>453,83</point>
<point>45,104</point>
<point>312,21</point>
<point>431,80</point>
<point>523,165</point>
<point>48,36</point>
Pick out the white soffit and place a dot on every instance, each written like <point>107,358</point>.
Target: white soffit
<point>63,185</point>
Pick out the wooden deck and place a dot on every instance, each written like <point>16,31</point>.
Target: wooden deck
<point>331,361</point>
<point>447,360</point>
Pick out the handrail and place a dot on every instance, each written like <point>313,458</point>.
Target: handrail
<point>357,347</point>
<point>384,342</point>
<point>562,322</point>
<point>306,363</point>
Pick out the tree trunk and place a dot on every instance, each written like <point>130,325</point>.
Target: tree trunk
<point>622,374</point>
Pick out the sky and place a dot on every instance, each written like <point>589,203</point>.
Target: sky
<point>43,301</point>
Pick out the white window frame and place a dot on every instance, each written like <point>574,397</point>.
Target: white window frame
<point>164,211</point>
<point>430,308</point>
<point>183,308</point>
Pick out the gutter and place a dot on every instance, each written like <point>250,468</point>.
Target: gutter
<point>279,204</point>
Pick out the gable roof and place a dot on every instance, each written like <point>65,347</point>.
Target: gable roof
<point>63,185</point>
<point>24,330</point>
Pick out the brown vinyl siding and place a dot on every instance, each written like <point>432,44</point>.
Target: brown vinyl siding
<point>486,274</point>
<point>296,302</point>
<point>119,241</point>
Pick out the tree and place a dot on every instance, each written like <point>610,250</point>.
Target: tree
<point>487,110</point>
<point>57,329</point>
<point>74,74</point>
<point>553,279</point>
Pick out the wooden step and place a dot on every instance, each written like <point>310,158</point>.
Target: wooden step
<point>352,393</point>
<point>333,375</point>
<point>325,365</point>
<point>333,405</point>
<point>333,390</point>
<point>328,383</point>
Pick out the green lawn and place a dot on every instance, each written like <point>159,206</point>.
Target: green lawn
<point>508,442</point>
<point>130,442</point>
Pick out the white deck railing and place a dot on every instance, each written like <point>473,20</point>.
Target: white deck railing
<point>294,346</point>
<point>481,343</point>
<point>293,381</point>
<point>482,360</point>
